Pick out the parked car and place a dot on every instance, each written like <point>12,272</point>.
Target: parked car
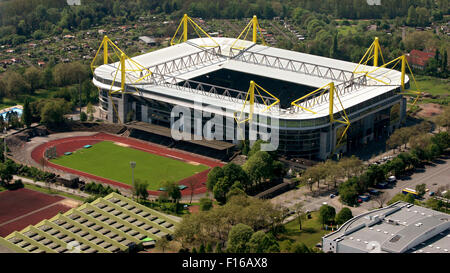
<point>391,179</point>
<point>374,192</point>
<point>431,193</point>
<point>382,185</point>
<point>364,198</point>
<point>360,200</point>
<point>332,195</point>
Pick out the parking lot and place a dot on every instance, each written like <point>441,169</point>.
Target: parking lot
<point>435,176</point>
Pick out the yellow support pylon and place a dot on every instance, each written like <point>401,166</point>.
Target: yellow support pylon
<point>126,64</point>
<point>254,25</point>
<point>185,21</point>
<point>332,93</point>
<point>373,52</point>
<point>105,52</point>
<point>404,64</point>
<point>122,71</point>
<point>250,99</point>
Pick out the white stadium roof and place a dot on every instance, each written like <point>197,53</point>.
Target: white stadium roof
<point>250,60</point>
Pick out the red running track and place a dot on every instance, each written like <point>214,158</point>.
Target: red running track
<point>16,203</point>
<point>32,219</point>
<point>23,207</point>
<point>71,144</point>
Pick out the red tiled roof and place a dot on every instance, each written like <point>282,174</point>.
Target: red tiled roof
<point>420,58</point>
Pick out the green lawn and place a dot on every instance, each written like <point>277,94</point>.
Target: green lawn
<point>311,232</point>
<point>112,161</point>
<point>432,85</point>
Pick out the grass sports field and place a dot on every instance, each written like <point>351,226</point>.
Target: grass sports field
<point>110,160</point>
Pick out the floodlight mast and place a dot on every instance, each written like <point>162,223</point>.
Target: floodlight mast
<point>132,165</point>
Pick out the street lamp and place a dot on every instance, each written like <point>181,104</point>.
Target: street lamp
<point>132,165</point>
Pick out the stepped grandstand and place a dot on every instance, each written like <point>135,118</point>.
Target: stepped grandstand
<point>107,225</point>
<point>324,106</point>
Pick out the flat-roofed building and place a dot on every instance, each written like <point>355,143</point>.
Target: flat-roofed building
<point>398,228</point>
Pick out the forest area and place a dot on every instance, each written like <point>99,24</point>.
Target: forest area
<point>334,28</point>
<point>26,17</point>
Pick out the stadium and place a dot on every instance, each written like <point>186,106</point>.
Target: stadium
<point>323,106</point>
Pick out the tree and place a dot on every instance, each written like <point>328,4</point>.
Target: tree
<point>205,204</point>
<point>236,189</point>
<point>191,182</point>
<point>333,172</point>
<point>234,173</point>
<point>221,189</point>
<point>70,73</point>
<point>162,243</point>
<point>209,248</point>
<point>381,198</point>
<point>334,49</point>
<point>399,137</point>
<point>351,166</point>
<point>140,189</point>
<point>26,114</point>
<point>420,141</point>
<point>33,76</point>
<point>83,116</point>
<point>238,239</point>
<point>299,213</point>
<point>213,177</point>
<point>15,84</point>
<point>411,20</point>
<point>375,174</point>
<point>344,215</point>
<point>90,108</point>
<point>327,214</point>
<point>262,242</point>
<point>299,247</point>
<point>172,190</point>
<point>396,166</point>
<point>421,189</point>
<point>259,167</point>
<point>53,112</point>
<point>218,249</point>
<point>348,192</point>
<point>214,225</point>
<point>202,249</point>
<point>410,198</point>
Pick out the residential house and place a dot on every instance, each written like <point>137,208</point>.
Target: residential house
<point>419,59</point>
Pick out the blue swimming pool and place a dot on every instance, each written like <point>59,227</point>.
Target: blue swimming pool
<point>15,109</point>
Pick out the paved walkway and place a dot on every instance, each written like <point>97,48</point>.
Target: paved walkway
<point>52,186</point>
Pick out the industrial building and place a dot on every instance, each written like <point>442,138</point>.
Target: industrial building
<point>107,225</point>
<point>365,104</point>
<point>398,228</point>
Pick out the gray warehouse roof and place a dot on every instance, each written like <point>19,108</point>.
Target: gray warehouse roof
<point>399,228</point>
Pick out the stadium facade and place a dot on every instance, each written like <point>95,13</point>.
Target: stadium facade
<point>215,73</point>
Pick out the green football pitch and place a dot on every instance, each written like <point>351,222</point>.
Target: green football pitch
<point>109,160</point>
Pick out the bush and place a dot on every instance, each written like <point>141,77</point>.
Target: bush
<point>83,116</point>
<point>205,204</point>
<point>98,189</point>
<point>344,215</point>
